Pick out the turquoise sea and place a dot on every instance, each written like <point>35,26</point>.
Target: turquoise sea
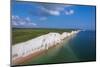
<point>78,48</point>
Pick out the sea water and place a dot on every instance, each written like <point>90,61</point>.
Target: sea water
<point>79,48</point>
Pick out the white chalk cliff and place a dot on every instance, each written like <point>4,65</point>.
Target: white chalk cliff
<point>39,43</point>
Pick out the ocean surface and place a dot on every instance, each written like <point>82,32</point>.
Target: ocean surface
<point>78,48</point>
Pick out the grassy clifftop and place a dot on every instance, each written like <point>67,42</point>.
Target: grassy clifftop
<point>24,34</point>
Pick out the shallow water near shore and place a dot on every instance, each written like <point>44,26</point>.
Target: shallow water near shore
<point>81,47</point>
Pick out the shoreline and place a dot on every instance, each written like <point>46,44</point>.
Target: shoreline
<point>22,58</point>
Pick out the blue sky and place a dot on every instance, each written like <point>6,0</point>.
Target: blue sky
<point>46,15</point>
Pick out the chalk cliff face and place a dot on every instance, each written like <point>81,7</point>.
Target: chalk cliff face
<point>39,43</point>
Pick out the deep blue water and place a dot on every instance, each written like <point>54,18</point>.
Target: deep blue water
<point>81,47</point>
<point>84,45</point>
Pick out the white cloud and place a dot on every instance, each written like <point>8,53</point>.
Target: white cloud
<point>22,22</point>
<point>28,19</point>
<point>69,12</point>
<point>30,24</point>
<point>54,12</point>
<point>14,23</point>
<point>43,18</point>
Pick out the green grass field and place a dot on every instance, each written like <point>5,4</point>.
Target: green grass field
<point>21,35</point>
